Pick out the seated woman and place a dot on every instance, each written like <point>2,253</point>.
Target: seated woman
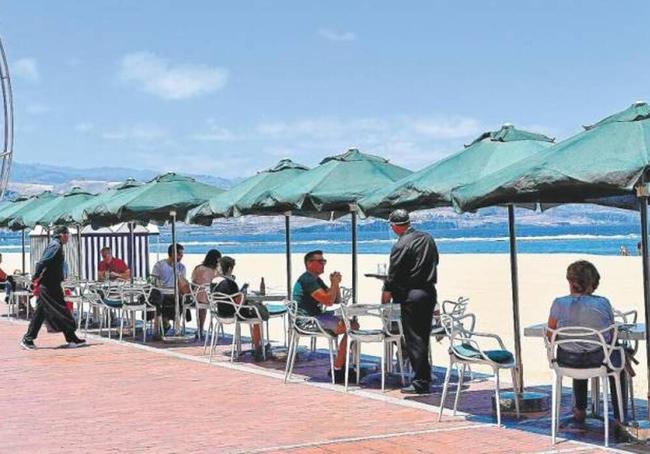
<point>226,284</point>
<point>204,274</point>
<point>582,308</point>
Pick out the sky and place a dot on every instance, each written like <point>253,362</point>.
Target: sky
<point>230,88</point>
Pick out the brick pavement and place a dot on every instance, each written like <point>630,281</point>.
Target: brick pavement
<point>111,397</point>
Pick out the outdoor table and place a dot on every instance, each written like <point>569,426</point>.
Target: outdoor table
<point>381,277</point>
<point>626,331</point>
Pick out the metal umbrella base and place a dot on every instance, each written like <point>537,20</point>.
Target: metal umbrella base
<point>529,402</point>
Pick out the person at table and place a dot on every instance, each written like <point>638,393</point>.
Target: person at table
<point>51,305</point>
<point>582,308</point>
<point>111,268</point>
<point>204,274</point>
<point>7,282</point>
<point>226,284</point>
<point>163,276</point>
<point>312,294</point>
<point>411,282</point>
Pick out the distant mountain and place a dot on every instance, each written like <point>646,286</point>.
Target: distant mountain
<point>41,174</point>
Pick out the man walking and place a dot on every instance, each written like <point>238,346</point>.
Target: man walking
<point>411,283</point>
<point>50,305</point>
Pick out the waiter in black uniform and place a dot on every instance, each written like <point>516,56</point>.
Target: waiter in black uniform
<point>411,283</point>
<point>50,305</point>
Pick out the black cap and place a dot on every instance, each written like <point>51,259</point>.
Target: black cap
<point>399,217</point>
<point>61,230</point>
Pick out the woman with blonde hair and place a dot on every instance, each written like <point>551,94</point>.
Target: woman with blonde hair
<point>584,309</point>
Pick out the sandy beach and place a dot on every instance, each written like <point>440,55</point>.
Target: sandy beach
<point>485,279</point>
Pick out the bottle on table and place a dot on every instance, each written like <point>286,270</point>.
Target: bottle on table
<point>262,287</point>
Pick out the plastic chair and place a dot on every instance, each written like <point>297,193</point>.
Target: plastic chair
<point>593,340</point>
<point>306,326</point>
<point>465,350</point>
<point>193,301</point>
<point>359,336</point>
<point>104,299</point>
<point>136,299</point>
<point>237,318</point>
<point>625,318</point>
<point>394,333</point>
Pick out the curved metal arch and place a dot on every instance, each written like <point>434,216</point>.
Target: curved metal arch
<point>8,108</point>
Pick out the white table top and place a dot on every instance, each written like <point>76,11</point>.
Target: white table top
<point>627,332</point>
<point>252,296</point>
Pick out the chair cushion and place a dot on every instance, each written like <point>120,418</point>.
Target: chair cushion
<point>367,332</point>
<point>113,303</point>
<point>498,356</point>
<point>276,309</point>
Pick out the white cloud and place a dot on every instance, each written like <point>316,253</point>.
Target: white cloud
<point>143,133</point>
<point>37,109</point>
<point>214,133</point>
<point>410,141</point>
<point>436,128</point>
<point>159,77</point>
<point>334,35</point>
<point>26,68</point>
<point>84,127</point>
<point>446,128</point>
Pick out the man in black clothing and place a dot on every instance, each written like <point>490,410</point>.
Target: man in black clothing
<point>411,283</point>
<point>50,305</point>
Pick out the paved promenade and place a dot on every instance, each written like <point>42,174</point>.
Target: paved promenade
<point>111,397</point>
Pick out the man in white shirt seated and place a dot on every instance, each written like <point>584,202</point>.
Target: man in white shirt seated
<point>163,279</point>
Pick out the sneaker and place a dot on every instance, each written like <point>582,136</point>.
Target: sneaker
<point>416,390</point>
<point>27,344</point>
<point>76,343</point>
<point>339,376</point>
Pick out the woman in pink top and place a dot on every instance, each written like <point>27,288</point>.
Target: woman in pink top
<point>204,274</point>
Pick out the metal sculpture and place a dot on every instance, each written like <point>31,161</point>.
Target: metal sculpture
<point>8,109</point>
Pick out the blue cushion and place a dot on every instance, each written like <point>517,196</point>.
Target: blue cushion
<point>367,332</point>
<point>113,303</point>
<point>276,309</point>
<point>498,356</point>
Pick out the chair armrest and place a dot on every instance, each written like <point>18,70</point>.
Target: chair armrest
<point>488,336</point>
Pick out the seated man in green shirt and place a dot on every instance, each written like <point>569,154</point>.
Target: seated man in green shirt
<point>310,292</point>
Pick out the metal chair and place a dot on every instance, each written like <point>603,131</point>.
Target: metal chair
<point>359,336</point>
<point>631,347</point>
<point>593,340</point>
<point>393,334</point>
<point>242,315</point>
<point>197,293</point>
<point>105,300</point>
<point>135,298</point>
<point>465,350</point>
<point>22,293</point>
<point>306,326</point>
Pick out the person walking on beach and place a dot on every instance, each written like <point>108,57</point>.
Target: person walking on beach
<point>50,305</point>
<point>411,282</point>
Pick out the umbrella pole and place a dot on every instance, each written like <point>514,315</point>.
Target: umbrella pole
<point>131,251</point>
<point>23,249</point>
<point>174,260</point>
<point>514,278</point>
<point>287,244</point>
<point>354,257</point>
<point>642,194</point>
<point>79,265</point>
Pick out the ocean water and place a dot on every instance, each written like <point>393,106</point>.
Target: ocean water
<point>596,239</point>
<point>452,237</point>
